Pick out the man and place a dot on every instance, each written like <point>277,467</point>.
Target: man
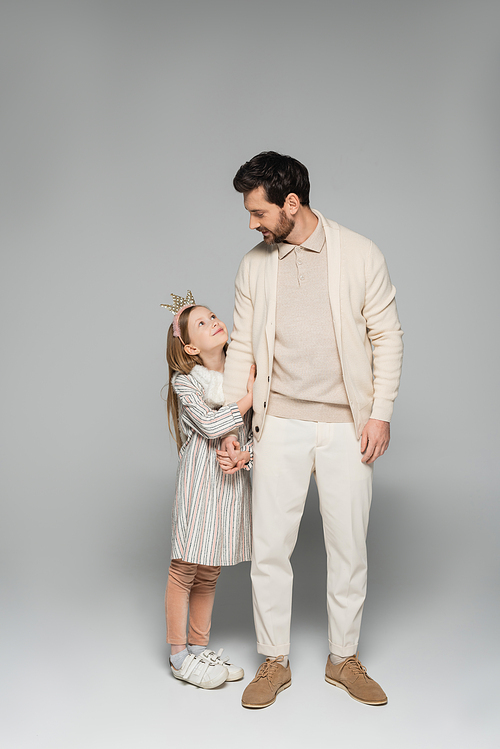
<point>315,310</point>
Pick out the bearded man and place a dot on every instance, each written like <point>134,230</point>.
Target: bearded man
<point>315,310</point>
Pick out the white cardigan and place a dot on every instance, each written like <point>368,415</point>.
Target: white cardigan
<point>367,328</point>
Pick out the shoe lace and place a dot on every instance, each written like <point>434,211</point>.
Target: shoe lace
<point>355,665</point>
<point>268,668</point>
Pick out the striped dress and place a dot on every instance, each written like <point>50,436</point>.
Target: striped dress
<point>211,516</point>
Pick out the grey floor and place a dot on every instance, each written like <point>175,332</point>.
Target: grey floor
<point>87,668</point>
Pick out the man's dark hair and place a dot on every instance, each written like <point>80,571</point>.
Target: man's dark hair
<point>279,175</point>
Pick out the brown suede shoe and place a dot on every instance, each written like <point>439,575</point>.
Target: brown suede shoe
<point>351,676</point>
<point>271,679</point>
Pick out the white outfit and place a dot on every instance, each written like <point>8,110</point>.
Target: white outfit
<point>281,481</point>
<point>287,450</point>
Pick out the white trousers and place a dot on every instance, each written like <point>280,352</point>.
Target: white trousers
<point>284,458</point>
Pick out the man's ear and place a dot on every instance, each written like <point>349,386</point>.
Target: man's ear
<point>292,202</point>
<point>191,350</point>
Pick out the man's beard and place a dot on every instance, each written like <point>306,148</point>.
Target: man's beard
<point>284,227</point>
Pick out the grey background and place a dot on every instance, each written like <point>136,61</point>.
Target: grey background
<point>122,126</point>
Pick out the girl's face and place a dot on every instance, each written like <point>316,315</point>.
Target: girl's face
<point>206,332</point>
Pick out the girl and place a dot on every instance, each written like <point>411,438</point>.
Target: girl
<point>211,518</point>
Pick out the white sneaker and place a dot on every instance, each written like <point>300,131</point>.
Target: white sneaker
<point>200,671</point>
<point>234,672</point>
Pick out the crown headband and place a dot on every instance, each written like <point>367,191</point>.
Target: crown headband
<point>179,305</point>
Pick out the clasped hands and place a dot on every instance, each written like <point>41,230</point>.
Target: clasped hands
<point>231,458</point>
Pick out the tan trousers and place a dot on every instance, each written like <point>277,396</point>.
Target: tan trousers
<point>284,458</point>
<point>190,587</point>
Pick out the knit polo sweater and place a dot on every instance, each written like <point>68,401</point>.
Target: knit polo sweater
<point>306,380</point>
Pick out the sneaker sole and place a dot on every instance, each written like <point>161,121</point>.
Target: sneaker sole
<point>236,676</point>
<point>358,699</point>
<point>210,685</point>
<point>256,707</point>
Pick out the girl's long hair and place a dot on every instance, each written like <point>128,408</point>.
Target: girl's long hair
<point>178,361</point>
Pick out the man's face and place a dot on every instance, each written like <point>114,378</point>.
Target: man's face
<point>273,222</point>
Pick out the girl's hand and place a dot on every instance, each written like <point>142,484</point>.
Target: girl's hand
<point>251,379</point>
<point>227,465</point>
<point>231,466</point>
<point>245,403</point>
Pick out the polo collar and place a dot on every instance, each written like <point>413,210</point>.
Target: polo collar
<point>315,242</point>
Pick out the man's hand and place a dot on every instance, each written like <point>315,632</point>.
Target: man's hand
<point>227,464</point>
<point>375,440</point>
<point>231,446</point>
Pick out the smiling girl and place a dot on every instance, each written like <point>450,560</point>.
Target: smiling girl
<point>211,515</point>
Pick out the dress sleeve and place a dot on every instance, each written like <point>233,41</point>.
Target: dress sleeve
<point>248,438</point>
<point>195,412</point>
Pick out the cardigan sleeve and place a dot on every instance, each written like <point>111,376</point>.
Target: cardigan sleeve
<point>195,412</point>
<point>240,356</point>
<point>385,334</point>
